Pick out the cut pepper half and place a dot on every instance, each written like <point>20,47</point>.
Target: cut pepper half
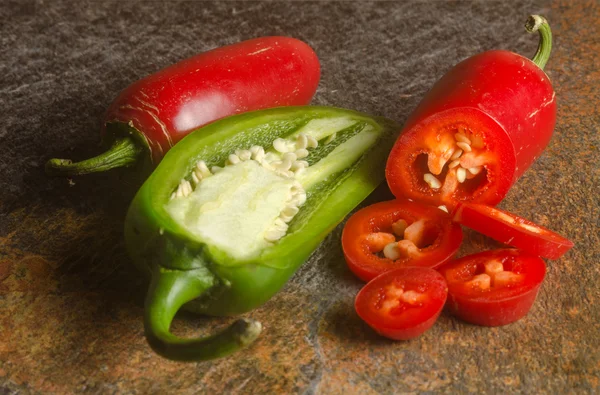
<point>512,230</point>
<point>398,233</point>
<point>493,288</point>
<point>236,207</point>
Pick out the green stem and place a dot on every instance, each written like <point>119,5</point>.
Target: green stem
<point>124,152</point>
<point>537,23</point>
<point>171,289</point>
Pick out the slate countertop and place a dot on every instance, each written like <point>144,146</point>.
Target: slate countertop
<point>71,303</point>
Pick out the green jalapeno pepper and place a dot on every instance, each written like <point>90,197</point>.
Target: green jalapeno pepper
<point>235,208</point>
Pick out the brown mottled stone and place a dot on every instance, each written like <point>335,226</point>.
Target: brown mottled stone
<point>71,303</point>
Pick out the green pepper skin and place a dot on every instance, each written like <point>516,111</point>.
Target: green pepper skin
<point>224,286</point>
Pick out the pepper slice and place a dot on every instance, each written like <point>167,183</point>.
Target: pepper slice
<point>402,304</point>
<point>151,115</point>
<point>478,129</point>
<point>511,229</point>
<point>398,233</point>
<point>493,288</point>
<point>235,208</point>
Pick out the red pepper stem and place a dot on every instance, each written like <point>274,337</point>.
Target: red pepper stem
<point>124,152</point>
<point>169,290</point>
<point>537,23</point>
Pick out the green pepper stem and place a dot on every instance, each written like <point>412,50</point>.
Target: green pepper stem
<point>171,289</point>
<point>124,152</point>
<point>537,23</point>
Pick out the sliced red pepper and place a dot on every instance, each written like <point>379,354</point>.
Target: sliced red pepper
<point>398,233</point>
<point>478,129</point>
<point>151,115</point>
<point>512,230</point>
<point>403,303</point>
<point>493,288</point>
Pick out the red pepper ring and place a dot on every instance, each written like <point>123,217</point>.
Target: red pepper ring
<point>511,229</point>
<point>493,288</point>
<point>398,233</point>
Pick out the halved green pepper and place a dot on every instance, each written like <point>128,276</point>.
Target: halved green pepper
<point>179,236</point>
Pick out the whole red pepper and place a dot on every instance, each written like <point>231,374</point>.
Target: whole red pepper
<point>152,114</point>
<point>478,129</point>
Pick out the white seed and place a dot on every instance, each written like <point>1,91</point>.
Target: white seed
<point>391,251</point>
<point>243,154</point>
<point>456,154</point>
<point>462,138</point>
<point>443,208</point>
<point>301,141</point>
<point>233,159</point>
<point>216,169</point>
<point>289,156</point>
<point>415,232</point>
<point>330,138</point>
<point>285,165</point>
<point>301,153</point>
<point>461,174</point>
<point>297,187</point>
<point>179,192</point>
<point>408,249</point>
<point>196,178</point>
<point>273,235</point>
<point>280,145</point>
<point>299,199</point>
<point>464,146</point>
<point>453,164</point>
<point>432,181</point>
<point>271,157</point>
<point>299,164</point>
<point>279,224</point>
<point>173,195</point>
<point>312,142</point>
<point>186,187</point>
<point>202,168</point>
<point>258,153</point>
<point>475,170</point>
<point>290,211</point>
<point>399,227</point>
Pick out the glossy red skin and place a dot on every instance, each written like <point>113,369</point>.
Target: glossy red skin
<point>416,319</point>
<point>496,307</point>
<point>503,95</point>
<point>512,230</point>
<point>250,75</point>
<point>379,217</point>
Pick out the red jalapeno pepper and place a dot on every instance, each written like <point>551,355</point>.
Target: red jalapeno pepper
<point>398,233</point>
<point>478,129</point>
<point>154,113</point>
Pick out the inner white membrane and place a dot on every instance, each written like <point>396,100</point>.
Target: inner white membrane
<point>246,204</point>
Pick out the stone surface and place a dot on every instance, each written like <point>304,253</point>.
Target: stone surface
<point>71,304</point>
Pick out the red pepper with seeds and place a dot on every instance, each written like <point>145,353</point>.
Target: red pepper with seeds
<point>402,304</point>
<point>493,288</point>
<point>398,233</point>
<point>478,129</point>
<point>154,113</point>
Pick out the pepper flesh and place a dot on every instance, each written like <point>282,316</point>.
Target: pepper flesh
<point>502,101</point>
<point>156,112</point>
<point>202,277</point>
